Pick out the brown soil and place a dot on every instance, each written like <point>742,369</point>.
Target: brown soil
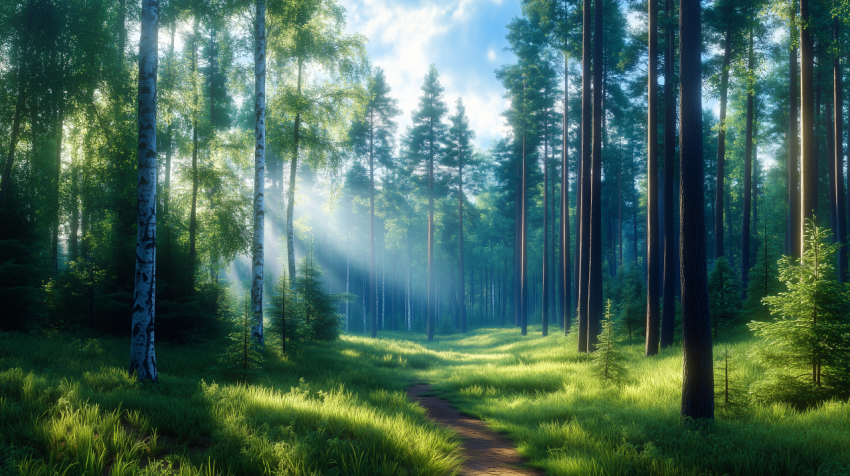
<point>485,451</point>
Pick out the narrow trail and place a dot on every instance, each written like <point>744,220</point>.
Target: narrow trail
<point>485,452</point>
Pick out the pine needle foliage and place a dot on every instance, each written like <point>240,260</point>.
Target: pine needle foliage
<point>724,296</point>
<point>286,316</point>
<point>242,359</point>
<point>806,347</point>
<point>763,281</point>
<point>607,360</point>
<point>322,322</point>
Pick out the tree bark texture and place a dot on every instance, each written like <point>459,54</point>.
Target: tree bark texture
<point>595,305</point>
<point>142,355</point>
<point>193,215</point>
<point>652,295</point>
<point>720,187</point>
<point>373,276</point>
<point>462,286</point>
<point>668,309</point>
<point>748,174</point>
<point>838,104</point>
<point>258,258</point>
<point>545,264</point>
<point>809,161</point>
<point>793,225</point>
<point>698,362</point>
<point>584,170</point>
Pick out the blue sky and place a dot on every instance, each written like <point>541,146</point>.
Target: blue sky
<point>463,38</point>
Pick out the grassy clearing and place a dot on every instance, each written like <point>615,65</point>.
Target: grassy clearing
<point>542,393</point>
<point>67,407</point>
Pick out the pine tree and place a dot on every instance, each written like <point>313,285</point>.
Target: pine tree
<point>286,323</point>
<point>763,282</point>
<point>242,358</point>
<point>723,295</point>
<point>321,320</point>
<point>806,347</point>
<point>607,360</point>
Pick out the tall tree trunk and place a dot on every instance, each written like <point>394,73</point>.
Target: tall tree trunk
<point>73,240</point>
<point>793,194</point>
<point>838,104</point>
<point>373,276</point>
<point>258,258</point>
<point>594,292</point>
<point>668,310</point>
<point>523,295</point>
<point>431,295</point>
<point>462,284</point>
<point>545,264</point>
<point>652,316</point>
<point>193,216</point>
<point>518,248</point>
<point>748,172</point>
<point>142,356</point>
<point>290,192</point>
<point>720,187</point>
<point>809,162</point>
<point>698,362</point>
<point>584,203</point>
<point>566,310</point>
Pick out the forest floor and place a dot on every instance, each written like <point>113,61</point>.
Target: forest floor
<point>342,408</point>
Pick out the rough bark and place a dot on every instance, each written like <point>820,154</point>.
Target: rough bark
<point>838,104</point>
<point>584,170</point>
<point>652,311</point>
<point>595,305</point>
<point>142,356</point>
<point>698,362</point>
<point>809,163</point>
<point>748,173</point>
<point>793,194</point>
<point>668,309</point>
<point>258,258</point>
<point>720,187</point>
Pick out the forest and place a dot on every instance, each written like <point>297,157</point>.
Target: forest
<point>326,269</point>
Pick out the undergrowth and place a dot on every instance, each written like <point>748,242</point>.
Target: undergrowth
<point>339,408</point>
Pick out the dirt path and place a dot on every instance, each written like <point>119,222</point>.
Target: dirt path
<point>485,451</point>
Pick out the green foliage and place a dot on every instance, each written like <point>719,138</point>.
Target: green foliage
<point>607,361</point>
<point>630,294</point>
<point>285,316</point>
<point>806,347</point>
<point>724,295</point>
<point>19,285</point>
<point>763,281</point>
<point>321,320</point>
<point>241,359</point>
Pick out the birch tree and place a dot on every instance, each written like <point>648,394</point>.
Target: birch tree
<point>142,357</point>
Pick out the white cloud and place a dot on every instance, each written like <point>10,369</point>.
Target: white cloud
<point>405,38</point>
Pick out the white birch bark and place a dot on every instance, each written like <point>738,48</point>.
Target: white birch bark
<point>258,258</point>
<point>142,356</point>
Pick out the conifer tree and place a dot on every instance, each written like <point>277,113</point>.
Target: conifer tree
<point>608,360</point>
<point>426,146</point>
<point>806,347</point>
<point>723,295</point>
<point>242,359</point>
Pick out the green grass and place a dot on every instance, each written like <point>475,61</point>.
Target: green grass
<point>68,408</point>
